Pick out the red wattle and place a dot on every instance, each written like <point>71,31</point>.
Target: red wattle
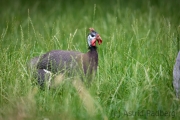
<point>93,42</point>
<point>99,42</point>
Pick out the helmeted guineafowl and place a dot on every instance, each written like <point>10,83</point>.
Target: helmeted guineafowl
<point>61,61</point>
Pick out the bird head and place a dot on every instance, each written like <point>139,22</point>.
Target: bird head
<point>93,37</point>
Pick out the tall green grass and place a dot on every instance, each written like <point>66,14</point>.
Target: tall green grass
<point>134,77</point>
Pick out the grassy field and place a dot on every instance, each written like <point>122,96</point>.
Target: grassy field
<point>134,77</point>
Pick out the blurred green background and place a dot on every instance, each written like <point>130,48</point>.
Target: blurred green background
<point>136,59</point>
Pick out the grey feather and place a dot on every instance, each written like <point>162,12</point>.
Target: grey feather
<point>58,60</point>
<point>176,76</point>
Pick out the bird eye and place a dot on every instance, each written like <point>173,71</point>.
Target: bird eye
<point>92,35</point>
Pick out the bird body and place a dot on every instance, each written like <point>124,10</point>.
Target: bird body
<point>58,60</point>
<point>176,76</point>
<point>71,62</point>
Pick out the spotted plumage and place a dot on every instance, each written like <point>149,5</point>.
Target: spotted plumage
<point>71,62</point>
